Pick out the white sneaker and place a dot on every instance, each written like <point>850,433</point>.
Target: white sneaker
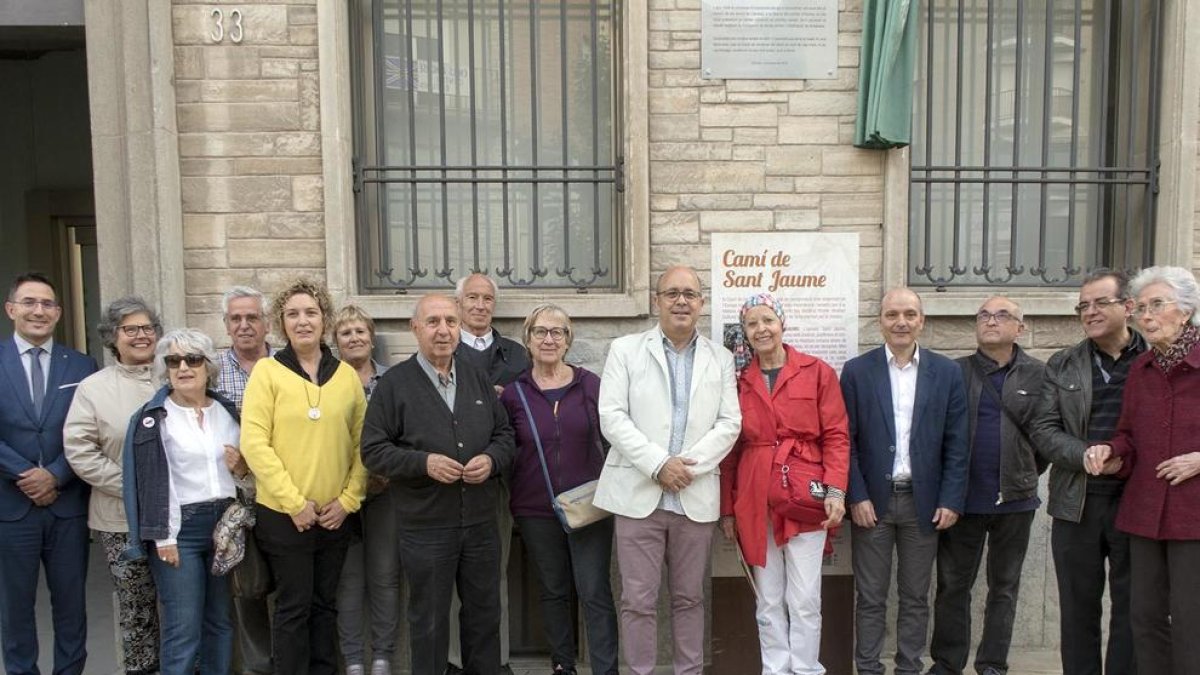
<point>381,667</point>
<point>355,669</point>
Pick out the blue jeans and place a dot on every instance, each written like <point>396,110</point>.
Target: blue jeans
<point>196,620</point>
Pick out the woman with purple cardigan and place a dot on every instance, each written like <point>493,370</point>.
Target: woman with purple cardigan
<point>562,403</point>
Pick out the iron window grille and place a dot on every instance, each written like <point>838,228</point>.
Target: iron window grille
<point>1035,140</point>
<point>487,140</point>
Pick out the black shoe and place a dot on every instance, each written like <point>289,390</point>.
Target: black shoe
<point>563,670</point>
<point>452,669</point>
<point>506,670</point>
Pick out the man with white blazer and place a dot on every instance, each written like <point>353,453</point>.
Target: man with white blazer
<point>669,407</point>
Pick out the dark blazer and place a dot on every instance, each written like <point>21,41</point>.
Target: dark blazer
<point>938,446</point>
<point>27,441</point>
<point>407,421</point>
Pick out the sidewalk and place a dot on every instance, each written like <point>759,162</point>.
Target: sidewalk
<point>102,643</point>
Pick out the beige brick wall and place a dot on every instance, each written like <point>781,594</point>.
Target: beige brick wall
<point>249,150</point>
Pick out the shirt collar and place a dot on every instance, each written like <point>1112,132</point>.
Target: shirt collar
<point>468,338</point>
<point>667,344</point>
<point>891,358</point>
<point>427,366</point>
<point>24,345</point>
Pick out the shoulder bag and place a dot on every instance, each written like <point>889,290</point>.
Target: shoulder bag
<point>574,507</point>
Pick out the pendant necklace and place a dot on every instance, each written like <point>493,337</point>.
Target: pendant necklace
<point>314,409</point>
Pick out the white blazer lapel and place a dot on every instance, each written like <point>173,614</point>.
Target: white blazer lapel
<point>703,361</point>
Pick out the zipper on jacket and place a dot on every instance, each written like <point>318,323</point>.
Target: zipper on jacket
<point>557,444</point>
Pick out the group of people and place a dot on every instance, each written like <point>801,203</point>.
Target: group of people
<point>350,476</point>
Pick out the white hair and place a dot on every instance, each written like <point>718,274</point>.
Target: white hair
<point>191,341</point>
<point>462,283</point>
<point>1181,281</point>
<point>243,292</point>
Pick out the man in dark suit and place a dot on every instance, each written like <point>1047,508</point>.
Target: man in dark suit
<point>435,427</point>
<point>43,506</point>
<point>908,476</point>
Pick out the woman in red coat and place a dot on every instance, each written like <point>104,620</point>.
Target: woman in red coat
<point>1157,446</point>
<point>791,405</point>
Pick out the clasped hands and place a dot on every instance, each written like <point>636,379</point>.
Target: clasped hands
<point>330,516</point>
<point>447,470</point>
<point>1098,460</point>
<point>675,475</point>
<point>39,485</point>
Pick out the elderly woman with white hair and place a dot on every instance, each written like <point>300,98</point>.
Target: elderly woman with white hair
<point>181,459</point>
<point>1157,447</point>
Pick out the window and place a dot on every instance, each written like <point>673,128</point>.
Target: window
<point>1035,140</point>
<point>487,139</point>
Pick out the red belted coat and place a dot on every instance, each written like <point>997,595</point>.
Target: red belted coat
<point>805,411</point>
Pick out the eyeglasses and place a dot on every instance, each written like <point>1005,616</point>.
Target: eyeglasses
<point>556,334</point>
<point>132,330</point>
<point>1001,317</point>
<point>675,294</point>
<point>1153,308</point>
<point>1099,303</point>
<point>30,304</point>
<point>193,360</point>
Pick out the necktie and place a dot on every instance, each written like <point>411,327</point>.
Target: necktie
<point>37,379</point>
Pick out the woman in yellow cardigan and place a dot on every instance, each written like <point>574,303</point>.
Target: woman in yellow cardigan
<point>301,422</point>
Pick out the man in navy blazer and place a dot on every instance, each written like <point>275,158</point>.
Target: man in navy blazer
<point>908,477</point>
<point>43,506</point>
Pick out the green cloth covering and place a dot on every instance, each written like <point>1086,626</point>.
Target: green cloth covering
<point>885,74</point>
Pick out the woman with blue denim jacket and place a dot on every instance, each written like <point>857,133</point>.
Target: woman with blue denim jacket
<point>180,465</point>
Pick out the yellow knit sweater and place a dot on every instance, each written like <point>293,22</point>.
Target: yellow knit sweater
<point>295,458</point>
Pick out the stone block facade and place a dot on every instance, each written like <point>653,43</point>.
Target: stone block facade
<point>723,156</point>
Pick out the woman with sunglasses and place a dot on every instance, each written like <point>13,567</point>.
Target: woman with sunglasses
<point>181,460</point>
<point>94,441</point>
<point>562,404</point>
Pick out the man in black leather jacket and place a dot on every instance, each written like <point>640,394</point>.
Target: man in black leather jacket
<point>1003,386</point>
<point>1080,406</point>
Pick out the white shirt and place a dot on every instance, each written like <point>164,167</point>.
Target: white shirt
<point>904,397</point>
<point>480,342</point>
<point>196,457</point>
<point>23,348</point>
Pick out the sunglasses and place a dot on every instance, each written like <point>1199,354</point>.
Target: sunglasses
<point>193,360</point>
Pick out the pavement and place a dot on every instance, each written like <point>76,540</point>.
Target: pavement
<point>102,658</point>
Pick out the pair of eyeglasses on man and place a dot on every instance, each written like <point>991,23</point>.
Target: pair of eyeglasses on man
<point>29,304</point>
<point>133,330</point>
<point>1099,303</point>
<point>556,334</point>
<point>1002,316</point>
<point>193,360</point>
<point>675,294</point>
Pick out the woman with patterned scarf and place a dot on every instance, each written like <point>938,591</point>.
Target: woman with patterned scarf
<point>793,416</point>
<point>1157,447</point>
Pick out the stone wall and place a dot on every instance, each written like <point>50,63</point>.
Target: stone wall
<point>249,150</point>
<point>724,155</point>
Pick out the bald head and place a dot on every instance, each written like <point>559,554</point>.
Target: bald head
<point>435,325</point>
<point>673,271</point>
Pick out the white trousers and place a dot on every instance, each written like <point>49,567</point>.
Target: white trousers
<point>789,605</point>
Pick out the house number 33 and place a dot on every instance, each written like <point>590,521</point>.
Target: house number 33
<point>226,25</point>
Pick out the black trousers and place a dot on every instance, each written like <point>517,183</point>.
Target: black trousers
<point>1165,606</point>
<point>435,559</point>
<point>960,553</point>
<point>306,567</point>
<point>578,562</point>
<point>1080,551</point>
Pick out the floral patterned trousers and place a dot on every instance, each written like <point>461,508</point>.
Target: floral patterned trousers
<point>137,605</point>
